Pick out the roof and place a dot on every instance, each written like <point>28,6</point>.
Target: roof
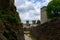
<point>43,7</point>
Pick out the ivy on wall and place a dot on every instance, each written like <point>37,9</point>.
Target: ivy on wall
<point>9,18</point>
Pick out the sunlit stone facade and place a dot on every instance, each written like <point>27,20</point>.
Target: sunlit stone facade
<point>43,15</point>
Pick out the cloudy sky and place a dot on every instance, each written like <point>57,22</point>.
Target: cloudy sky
<point>30,9</point>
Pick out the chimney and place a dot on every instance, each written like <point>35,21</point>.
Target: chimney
<point>27,23</point>
<point>33,21</point>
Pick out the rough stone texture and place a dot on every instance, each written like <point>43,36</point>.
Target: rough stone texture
<point>44,15</point>
<point>50,30</point>
<point>34,32</point>
<point>10,24</point>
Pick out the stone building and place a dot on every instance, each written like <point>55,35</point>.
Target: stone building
<point>33,23</point>
<point>43,15</point>
<point>27,25</point>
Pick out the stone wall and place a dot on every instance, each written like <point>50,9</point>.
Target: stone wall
<point>50,30</point>
<point>10,23</point>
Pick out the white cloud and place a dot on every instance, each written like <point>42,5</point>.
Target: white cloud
<point>45,3</point>
<point>30,9</point>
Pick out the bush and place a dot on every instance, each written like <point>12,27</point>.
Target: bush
<point>53,9</point>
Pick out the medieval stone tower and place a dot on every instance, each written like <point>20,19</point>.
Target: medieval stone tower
<point>43,15</point>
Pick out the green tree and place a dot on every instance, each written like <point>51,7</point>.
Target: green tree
<point>53,9</point>
<point>38,22</point>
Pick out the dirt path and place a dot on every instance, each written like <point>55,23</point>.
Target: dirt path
<point>27,37</point>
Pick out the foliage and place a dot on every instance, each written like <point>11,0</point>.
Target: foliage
<point>38,22</point>
<point>53,9</point>
<point>7,17</point>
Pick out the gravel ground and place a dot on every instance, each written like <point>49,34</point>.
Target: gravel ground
<point>27,37</point>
